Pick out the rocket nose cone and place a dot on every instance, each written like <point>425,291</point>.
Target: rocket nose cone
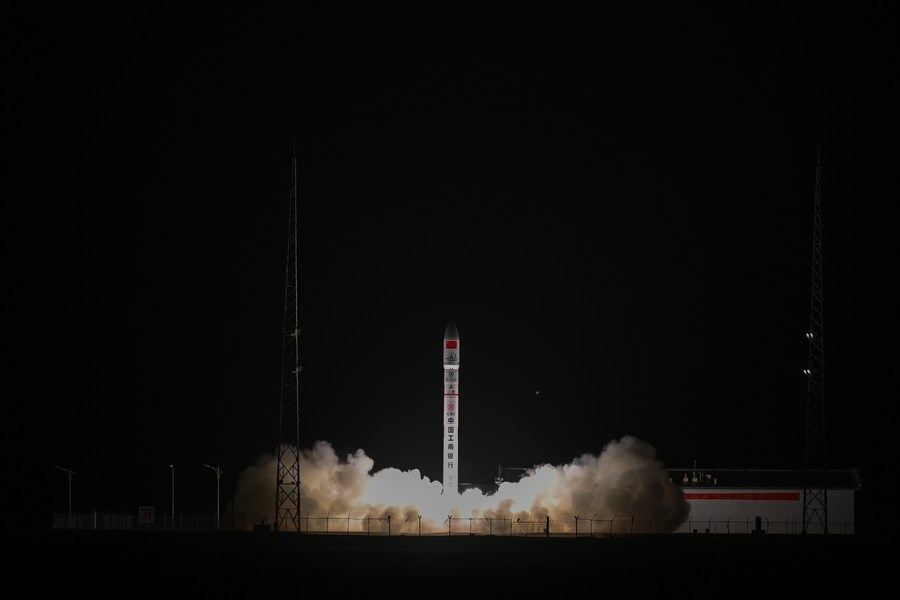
<point>451,333</point>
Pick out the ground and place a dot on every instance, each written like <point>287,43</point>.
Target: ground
<point>250,564</point>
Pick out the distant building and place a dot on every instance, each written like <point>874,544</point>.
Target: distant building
<point>762,500</point>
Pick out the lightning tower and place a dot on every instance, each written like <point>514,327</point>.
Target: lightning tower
<point>287,492</point>
<point>815,488</point>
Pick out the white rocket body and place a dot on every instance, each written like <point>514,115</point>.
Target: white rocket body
<point>451,409</point>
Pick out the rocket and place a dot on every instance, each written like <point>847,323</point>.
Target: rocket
<point>450,455</point>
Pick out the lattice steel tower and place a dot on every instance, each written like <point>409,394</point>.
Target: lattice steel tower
<point>287,492</point>
<point>815,488</point>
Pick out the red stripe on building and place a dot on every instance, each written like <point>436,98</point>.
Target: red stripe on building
<point>450,344</point>
<point>742,496</point>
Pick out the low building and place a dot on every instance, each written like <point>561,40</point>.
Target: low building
<point>764,500</point>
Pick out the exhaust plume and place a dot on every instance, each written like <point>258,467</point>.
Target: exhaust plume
<point>622,489</point>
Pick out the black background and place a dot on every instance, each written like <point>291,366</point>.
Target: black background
<point>614,206</point>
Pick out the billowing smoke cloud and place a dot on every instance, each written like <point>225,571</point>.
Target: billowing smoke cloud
<point>623,489</point>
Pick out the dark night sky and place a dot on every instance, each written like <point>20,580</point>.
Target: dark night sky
<point>614,207</point>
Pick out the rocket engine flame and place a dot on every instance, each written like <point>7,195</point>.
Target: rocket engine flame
<point>624,481</point>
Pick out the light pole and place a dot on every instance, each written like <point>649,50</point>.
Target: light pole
<point>218,477</point>
<point>173,495</point>
<point>69,472</point>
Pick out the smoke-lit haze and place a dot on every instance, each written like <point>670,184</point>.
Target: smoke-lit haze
<point>624,481</point>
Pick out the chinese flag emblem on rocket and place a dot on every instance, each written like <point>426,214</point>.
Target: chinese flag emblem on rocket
<point>450,344</point>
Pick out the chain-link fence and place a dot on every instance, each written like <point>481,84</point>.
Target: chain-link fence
<point>414,524</point>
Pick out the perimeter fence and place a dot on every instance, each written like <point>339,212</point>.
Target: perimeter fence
<point>387,524</point>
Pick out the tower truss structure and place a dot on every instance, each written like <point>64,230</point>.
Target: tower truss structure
<point>815,488</point>
<point>287,492</point>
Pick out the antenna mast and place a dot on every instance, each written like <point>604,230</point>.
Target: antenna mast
<point>815,488</point>
<point>287,492</point>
